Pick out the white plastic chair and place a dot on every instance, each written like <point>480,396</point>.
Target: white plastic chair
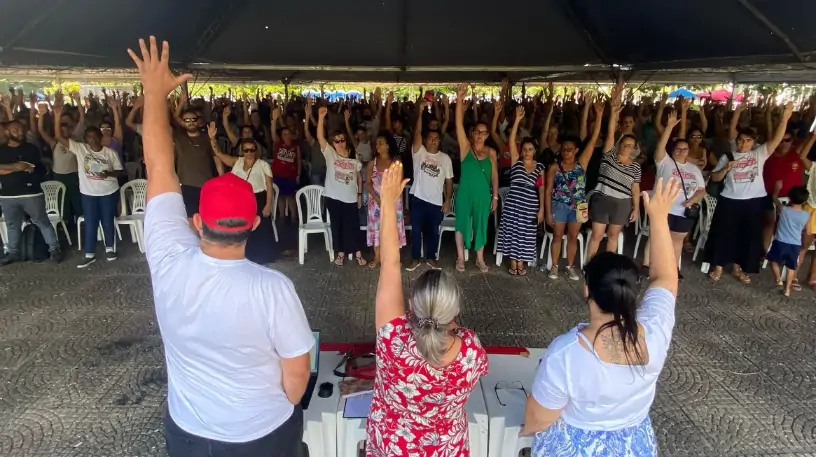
<point>132,215</point>
<point>54,203</point>
<point>274,215</point>
<point>449,224</point>
<point>100,234</point>
<point>706,215</point>
<point>644,231</point>
<point>502,196</point>
<point>546,248</point>
<point>314,222</point>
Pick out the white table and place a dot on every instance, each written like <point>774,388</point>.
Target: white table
<point>506,421</point>
<point>320,419</point>
<point>351,432</point>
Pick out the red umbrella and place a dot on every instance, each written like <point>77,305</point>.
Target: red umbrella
<point>720,95</point>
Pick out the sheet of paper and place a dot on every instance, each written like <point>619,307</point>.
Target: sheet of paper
<point>357,406</point>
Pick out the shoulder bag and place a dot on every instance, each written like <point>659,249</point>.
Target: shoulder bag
<point>693,211</point>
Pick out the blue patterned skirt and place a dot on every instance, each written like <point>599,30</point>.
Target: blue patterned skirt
<point>563,440</point>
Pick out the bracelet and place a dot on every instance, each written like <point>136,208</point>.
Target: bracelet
<point>495,198</point>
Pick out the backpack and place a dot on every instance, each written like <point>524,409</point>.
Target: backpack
<point>32,245</point>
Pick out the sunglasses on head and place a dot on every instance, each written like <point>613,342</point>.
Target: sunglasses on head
<point>339,140</point>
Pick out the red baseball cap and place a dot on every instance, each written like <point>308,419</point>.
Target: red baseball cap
<point>227,197</point>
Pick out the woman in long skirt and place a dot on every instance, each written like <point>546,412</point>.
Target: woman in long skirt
<point>386,156</point>
<point>524,205</point>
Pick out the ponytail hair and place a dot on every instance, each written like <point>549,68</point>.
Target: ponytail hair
<point>434,305</point>
<point>612,282</point>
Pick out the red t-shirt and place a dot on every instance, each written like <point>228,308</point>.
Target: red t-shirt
<point>787,168</point>
<point>284,161</point>
<point>504,158</point>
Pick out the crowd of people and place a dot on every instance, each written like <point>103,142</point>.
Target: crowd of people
<point>215,166</point>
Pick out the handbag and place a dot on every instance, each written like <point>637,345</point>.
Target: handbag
<point>581,208</point>
<point>359,362</point>
<point>693,211</point>
<point>714,188</point>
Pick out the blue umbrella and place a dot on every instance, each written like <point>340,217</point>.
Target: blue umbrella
<point>685,93</point>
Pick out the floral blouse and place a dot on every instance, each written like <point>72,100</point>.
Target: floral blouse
<point>418,410</point>
<point>569,181</point>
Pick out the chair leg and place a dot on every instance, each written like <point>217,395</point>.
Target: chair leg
<point>140,237</point>
<point>700,241</point>
<point>620,243</point>
<point>439,245</point>
<point>79,235</point>
<point>581,250</point>
<point>637,245</point>
<point>328,239</point>
<point>301,247</point>
<point>275,230</point>
<point>67,235</point>
<point>498,259</point>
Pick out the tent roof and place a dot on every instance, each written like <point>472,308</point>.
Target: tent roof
<point>425,40</point>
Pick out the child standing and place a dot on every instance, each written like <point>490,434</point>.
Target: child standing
<point>788,238</point>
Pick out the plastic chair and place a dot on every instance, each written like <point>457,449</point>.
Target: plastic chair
<point>546,247</point>
<point>449,224</point>
<point>274,215</point>
<point>706,215</point>
<point>133,214</point>
<point>644,231</point>
<point>54,204</point>
<point>314,222</point>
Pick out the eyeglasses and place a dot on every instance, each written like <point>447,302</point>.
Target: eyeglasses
<point>106,129</point>
<point>480,132</point>
<point>696,137</point>
<point>339,140</point>
<point>252,150</point>
<point>515,385</point>
<point>190,120</point>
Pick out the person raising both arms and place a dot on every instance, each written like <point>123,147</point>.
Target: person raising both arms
<point>237,393</point>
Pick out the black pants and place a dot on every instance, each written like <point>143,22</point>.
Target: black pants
<point>345,226</point>
<point>261,247</point>
<point>73,199</point>
<point>284,441</point>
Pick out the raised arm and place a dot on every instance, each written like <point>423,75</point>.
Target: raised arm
<point>321,133</point>
<point>684,107</point>
<point>461,136</point>
<point>349,130</point>
<point>58,104</point>
<point>445,115</point>
<point>614,111</point>
<point>225,159</point>
<point>773,143</point>
<point>309,138</point>
<point>663,265</point>
<point>49,139</point>
<point>158,82</point>
<point>494,132</point>
<point>418,128</point>
<point>661,106</point>
<point>233,138</point>
<point>660,150</point>
<point>389,303</point>
<point>116,107</point>
<point>735,118</point>
<point>273,127</point>
<point>704,117</point>
<point>130,120</point>
<point>388,102</point>
<point>514,152</point>
<point>805,149</point>
<point>584,129</point>
<point>589,146</point>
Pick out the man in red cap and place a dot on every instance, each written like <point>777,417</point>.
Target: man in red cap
<point>236,339</point>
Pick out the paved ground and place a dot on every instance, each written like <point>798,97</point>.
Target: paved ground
<point>81,363</point>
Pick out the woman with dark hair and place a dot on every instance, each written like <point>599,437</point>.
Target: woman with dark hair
<point>524,204</point>
<point>596,383</point>
<point>261,247</point>
<point>286,166</point>
<point>735,236</point>
<point>427,366</point>
<point>387,154</point>
<point>565,202</point>
<point>479,180</point>
<point>615,201</point>
<point>343,192</point>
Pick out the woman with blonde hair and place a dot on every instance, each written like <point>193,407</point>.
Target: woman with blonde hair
<point>427,366</point>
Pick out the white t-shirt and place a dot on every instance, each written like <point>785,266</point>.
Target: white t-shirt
<point>811,186</point>
<point>90,164</point>
<point>744,181</point>
<point>256,174</point>
<point>225,325</point>
<point>692,178</point>
<point>430,173</point>
<point>596,395</point>
<point>341,176</point>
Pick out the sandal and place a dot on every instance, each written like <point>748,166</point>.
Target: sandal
<point>522,272</point>
<point>360,260</point>
<point>812,283</point>
<point>373,264</point>
<point>338,261</point>
<point>460,265</point>
<point>482,267</point>
<point>513,271</point>
<point>795,286</point>
<point>741,276</point>
<point>714,275</point>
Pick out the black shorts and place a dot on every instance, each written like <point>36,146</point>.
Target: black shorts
<point>680,224</point>
<point>784,254</point>
<point>609,210</point>
<point>191,196</point>
<point>769,204</point>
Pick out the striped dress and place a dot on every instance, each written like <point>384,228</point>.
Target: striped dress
<point>517,232</point>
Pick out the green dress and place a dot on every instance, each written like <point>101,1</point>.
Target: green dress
<point>473,200</point>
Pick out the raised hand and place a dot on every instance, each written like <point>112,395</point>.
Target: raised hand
<point>672,120</point>
<point>599,107</point>
<point>346,114</point>
<point>788,110</point>
<point>497,106</point>
<point>321,112</point>
<point>461,91</point>
<point>392,184</point>
<point>276,113</point>
<point>212,130</point>
<point>519,113</point>
<point>227,111</point>
<point>154,70</point>
<point>686,104</point>
<point>662,199</point>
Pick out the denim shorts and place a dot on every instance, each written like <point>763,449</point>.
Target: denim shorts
<point>563,212</point>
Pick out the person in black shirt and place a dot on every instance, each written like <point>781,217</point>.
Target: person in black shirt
<point>21,194</point>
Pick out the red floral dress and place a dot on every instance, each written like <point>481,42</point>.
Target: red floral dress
<point>418,410</point>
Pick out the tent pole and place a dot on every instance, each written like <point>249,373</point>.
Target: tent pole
<point>774,29</point>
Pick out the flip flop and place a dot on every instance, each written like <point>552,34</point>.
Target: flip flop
<point>512,271</point>
<point>714,276</point>
<point>795,286</point>
<point>741,277</point>
<point>522,272</point>
<point>482,267</point>
<point>338,261</point>
<point>361,261</point>
<point>373,264</point>
<point>460,265</point>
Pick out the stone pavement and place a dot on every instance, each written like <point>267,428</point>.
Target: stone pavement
<point>82,369</point>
